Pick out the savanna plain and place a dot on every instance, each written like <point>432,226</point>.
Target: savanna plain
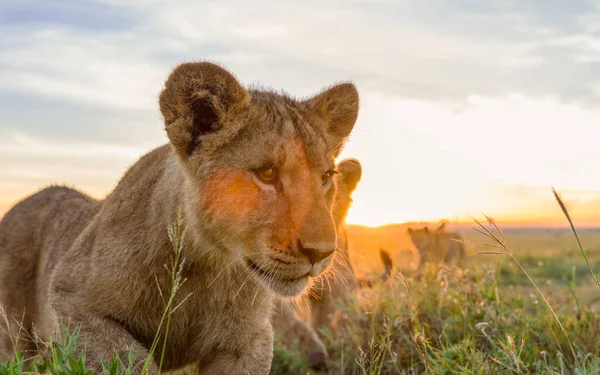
<point>526,303</point>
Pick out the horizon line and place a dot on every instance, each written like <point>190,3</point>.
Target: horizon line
<point>550,224</point>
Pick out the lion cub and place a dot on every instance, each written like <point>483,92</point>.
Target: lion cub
<point>339,285</point>
<point>285,320</point>
<point>438,246</point>
<point>250,171</point>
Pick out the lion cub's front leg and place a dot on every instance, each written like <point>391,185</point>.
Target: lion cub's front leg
<point>102,339</point>
<point>254,358</point>
<point>289,326</point>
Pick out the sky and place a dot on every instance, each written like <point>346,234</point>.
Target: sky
<point>467,106</point>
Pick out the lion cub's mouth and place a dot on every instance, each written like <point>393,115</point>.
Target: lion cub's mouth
<point>288,286</point>
<point>266,273</point>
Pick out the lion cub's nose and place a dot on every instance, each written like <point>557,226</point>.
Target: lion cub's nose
<point>315,255</point>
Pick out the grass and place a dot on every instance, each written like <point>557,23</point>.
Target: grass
<point>522,311</point>
<point>453,322</point>
<point>583,252</point>
<point>496,235</point>
<point>524,305</point>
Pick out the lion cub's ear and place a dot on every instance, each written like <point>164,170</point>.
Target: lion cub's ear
<point>338,107</point>
<point>350,174</point>
<point>199,98</point>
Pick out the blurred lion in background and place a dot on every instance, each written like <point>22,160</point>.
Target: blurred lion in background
<point>438,246</point>
<point>339,284</point>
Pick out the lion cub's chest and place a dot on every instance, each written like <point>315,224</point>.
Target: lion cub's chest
<point>219,315</point>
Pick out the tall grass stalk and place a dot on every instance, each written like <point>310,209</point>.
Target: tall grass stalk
<point>500,242</point>
<point>585,256</point>
<point>176,234</point>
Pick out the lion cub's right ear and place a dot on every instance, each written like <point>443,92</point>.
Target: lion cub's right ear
<point>350,174</point>
<point>199,98</point>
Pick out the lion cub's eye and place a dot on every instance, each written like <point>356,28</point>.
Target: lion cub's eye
<point>327,177</point>
<point>267,175</point>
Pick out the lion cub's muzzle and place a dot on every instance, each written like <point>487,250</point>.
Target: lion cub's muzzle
<point>318,255</point>
<point>288,272</point>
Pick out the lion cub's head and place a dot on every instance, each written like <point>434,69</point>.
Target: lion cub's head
<point>427,243</point>
<point>259,170</point>
<point>423,239</point>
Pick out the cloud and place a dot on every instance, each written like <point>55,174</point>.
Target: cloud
<point>84,15</point>
<point>18,145</point>
<point>433,51</point>
<point>81,67</point>
<point>28,164</point>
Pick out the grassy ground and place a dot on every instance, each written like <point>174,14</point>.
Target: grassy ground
<point>487,319</point>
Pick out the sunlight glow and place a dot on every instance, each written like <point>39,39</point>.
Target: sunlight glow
<point>426,161</point>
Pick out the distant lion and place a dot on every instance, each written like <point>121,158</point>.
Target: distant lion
<point>285,319</point>
<point>250,173</point>
<point>438,246</point>
<point>343,280</point>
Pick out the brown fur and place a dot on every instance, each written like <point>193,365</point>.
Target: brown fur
<point>438,246</point>
<point>100,265</point>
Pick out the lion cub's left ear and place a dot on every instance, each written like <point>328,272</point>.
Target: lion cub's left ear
<point>200,98</point>
<point>338,108</point>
